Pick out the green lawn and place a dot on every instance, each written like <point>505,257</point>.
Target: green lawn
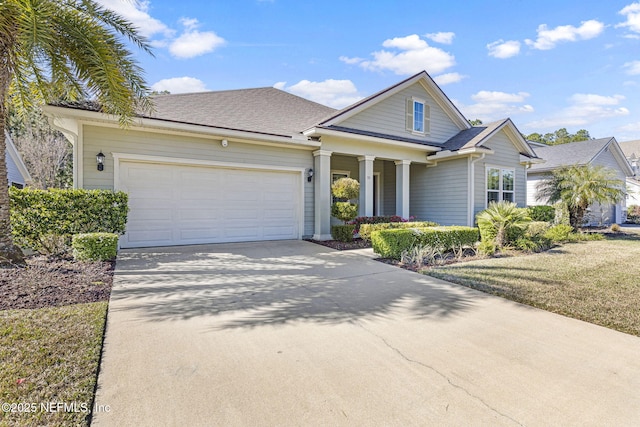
<point>595,281</point>
<point>50,356</point>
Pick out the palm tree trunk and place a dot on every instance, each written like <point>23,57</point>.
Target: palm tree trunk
<point>10,254</point>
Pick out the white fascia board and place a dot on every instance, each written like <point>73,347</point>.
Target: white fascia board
<point>185,128</point>
<point>328,132</point>
<point>448,155</point>
<point>524,160</point>
<point>17,159</point>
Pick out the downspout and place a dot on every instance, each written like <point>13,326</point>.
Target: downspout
<point>471,188</point>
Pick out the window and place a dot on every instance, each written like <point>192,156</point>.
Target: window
<point>418,116</point>
<point>500,185</point>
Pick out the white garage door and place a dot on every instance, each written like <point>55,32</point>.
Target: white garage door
<point>182,205</point>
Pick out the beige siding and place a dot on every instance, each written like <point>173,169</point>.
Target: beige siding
<point>115,140</point>
<point>388,117</point>
<point>505,156</point>
<point>440,193</point>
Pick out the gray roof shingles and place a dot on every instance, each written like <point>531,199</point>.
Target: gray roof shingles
<point>631,149</point>
<point>580,153</point>
<point>263,110</point>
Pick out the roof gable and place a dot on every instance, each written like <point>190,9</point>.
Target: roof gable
<point>579,153</point>
<point>477,136</point>
<point>16,169</point>
<point>427,84</point>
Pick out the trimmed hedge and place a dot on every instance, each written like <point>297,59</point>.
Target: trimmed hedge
<point>94,246</point>
<point>40,216</point>
<point>377,220</point>
<point>343,233</point>
<point>391,243</point>
<point>542,213</point>
<point>367,229</point>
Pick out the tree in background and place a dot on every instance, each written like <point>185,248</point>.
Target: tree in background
<point>578,187</point>
<point>561,136</point>
<point>71,50</point>
<point>46,152</point>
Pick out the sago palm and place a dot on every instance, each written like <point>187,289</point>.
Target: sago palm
<point>580,186</point>
<point>63,49</point>
<point>499,218</point>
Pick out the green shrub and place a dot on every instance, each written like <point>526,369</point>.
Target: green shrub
<point>346,189</point>
<point>40,217</point>
<point>367,229</point>
<point>502,222</point>
<point>392,243</point>
<point>343,233</point>
<point>542,213</point>
<point>94,246</point>
<point>559,233</point>
<point>344,211</point>
<point>377,220</point>
<point>533,243</point>
<point>633,214</point>
<point>487,247</point>
<point>537,228</point>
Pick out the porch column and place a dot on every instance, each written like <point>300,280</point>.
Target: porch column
<point>402,187</point>
<point>366,186</point>
<point>322,194</point>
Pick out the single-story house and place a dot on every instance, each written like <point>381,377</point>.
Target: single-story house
<point>17,172</point>
<point>631,150</point>
<point>257,164</point>
<point>598,152</point>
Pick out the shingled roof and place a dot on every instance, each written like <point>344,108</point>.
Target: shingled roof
<point>631,149</point>
<point>472,137</point>
<point>262,110</point>
<point>573,153</point>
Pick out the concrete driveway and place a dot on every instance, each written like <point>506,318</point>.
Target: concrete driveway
<point>292,333</point>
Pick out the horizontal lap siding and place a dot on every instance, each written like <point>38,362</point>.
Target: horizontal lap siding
<point>388,117</point>
<point>606,213</point>
<point>440,193</point>
<point>505,156</point>
<point>115,140</point>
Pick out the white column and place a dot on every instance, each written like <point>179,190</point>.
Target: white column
<point>322,194</point>
<point>366,185</point>
<point>402,188</point>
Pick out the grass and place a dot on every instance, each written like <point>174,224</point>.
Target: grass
<point>50,355</point>
<point>594,281</point>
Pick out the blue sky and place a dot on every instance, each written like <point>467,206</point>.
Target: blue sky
<point>545,64</point>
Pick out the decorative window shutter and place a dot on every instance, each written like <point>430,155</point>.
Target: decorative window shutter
<point>409,116</point>
<point>427,118</point>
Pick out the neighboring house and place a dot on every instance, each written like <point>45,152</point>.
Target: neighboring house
<point>597,152</point>
<point>16,170</point>
<point>631,150</point>
<point>257,164</point>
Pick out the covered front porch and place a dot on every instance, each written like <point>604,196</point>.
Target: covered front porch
<point>384,186</point>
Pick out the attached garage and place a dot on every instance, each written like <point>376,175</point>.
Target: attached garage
<point>174,203</point>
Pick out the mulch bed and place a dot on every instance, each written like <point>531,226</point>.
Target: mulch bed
<point>53,282</point>
<point>343,246</point>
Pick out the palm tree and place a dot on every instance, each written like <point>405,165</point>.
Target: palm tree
<point>499,219</point>
<point>578,187</point>
<point>63,49</point>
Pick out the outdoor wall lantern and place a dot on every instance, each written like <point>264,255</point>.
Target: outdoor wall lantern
<point>309,175</point>
<point>100,161</point>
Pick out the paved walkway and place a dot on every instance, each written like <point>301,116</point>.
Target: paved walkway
<point>292,333</point>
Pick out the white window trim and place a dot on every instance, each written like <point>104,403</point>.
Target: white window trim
<point>500,190</point>
<point>410,115</point>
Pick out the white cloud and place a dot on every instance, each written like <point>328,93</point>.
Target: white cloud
<point>180,85</point>
<point>633,67</point>
<point>441,37</point>
<point>493,105</point>
<point>504,49</point>
<point>445,79</point>
<point>333,93</point>
<point>632,13</point>
<point>631,127</point>
<point>192,43</point>
<point>549,38</point>
<point>406,55</point>
<point>583,109</point>
<point>138,14</point>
